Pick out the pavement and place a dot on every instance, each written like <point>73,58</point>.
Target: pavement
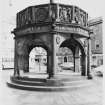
<point>92,95</point>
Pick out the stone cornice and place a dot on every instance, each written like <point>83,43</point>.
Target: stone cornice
<point>95,21</point>
<point>53,28</point>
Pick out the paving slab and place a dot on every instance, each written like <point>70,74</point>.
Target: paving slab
<point>92,95</point>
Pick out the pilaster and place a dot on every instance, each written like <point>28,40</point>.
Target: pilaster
<point>16,69</point>
<point>25,66</point>
<point>77,63</point>
<point>89,60</point>
<point>52,60</point>
<point>83,65</point>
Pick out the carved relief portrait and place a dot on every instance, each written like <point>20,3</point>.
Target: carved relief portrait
<point>41,14</point>
<point>80,17</point>
<point>77,16</point>
<point>57,40</point>
<point>69,14</point>
<point>65,14</point>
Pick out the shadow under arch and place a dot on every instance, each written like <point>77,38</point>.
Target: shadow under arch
<point>29,45</point>
<point>75,45</point>
<point>33,44</point>
<point>38,60</point>
<point>72,44</point>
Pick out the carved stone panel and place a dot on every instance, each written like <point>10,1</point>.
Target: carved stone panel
<point>32,15</point>
<point>65,14</point>
<point>80,17</point>
<point>53,12</point>
<point>24,17</point>
<point>77,16</point>
<point>40,14</point>
<point>72,14</point>
<point>48,13</point>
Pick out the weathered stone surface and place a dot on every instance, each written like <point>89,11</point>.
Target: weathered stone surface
<point>52,12</point>
<point>51,26</point>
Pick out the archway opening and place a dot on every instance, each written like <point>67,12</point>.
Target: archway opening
<point>78,55</point>
<point>65,59</point>
<point>38,60</point>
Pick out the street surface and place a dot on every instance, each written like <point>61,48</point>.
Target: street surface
<point>85,96</point>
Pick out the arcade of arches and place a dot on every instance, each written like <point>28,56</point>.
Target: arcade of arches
<point>25,45</point>
<point>52,27</point>
<point>38,60</point>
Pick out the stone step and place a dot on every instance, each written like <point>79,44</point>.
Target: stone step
<point>26,82</point>
<point>45,88</point>
<point>26,78</point>
<point>60,77</point>
<point>59,83</point>
<point>75,83</point>
<point>38,83</point>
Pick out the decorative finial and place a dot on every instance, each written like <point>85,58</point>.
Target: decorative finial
<point>51,1</point>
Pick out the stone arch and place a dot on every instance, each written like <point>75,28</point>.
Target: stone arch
<point>31,43</point>
<point>81,45</point>
<point>24,50</point>
<point>36,60</point>
<point>72,43</point>
<point>76,45</point>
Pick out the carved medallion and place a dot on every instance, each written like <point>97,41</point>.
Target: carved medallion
<point>57,40</point>
<point>85,43</point>
<point>41,14</point>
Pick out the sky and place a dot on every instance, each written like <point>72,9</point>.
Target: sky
<point>9,8</point>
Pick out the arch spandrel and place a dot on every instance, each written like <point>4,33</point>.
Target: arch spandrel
<point>72,43</point>
<point>82,46</point>
<point>21,46</point>
<point>30,43</point>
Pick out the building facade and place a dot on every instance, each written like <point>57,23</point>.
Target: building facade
<point>96,41</point>
<point>96,45</point>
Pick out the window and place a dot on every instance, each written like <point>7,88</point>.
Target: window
<point>65,59</point>
<point>97,44</point>
<point>94,57</point>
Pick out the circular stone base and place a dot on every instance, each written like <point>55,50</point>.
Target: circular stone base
<point>42,84</point>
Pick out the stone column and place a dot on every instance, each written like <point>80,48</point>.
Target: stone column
<point>16,69</point>
<point>73,15</point>
<point>57,13</point>
<point>52,64</point>
<point>74,62</point>
<point>77,63</point>
<point>86,59</point>
<point>77,60</point>
<point>20,62</point>
<point>89,60</point>
<point>83,65</point>
<point>54,54</point>
<point>23,63</point>
<point>26,63</point>
<point>47,63</point>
